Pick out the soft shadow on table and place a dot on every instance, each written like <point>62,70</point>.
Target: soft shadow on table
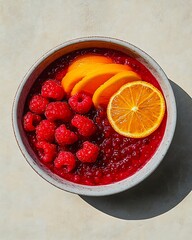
<point>168,185</point>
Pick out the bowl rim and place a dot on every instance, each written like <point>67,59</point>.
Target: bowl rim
<point>101,190</point>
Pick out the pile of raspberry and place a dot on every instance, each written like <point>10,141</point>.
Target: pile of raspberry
<point>60,128</point>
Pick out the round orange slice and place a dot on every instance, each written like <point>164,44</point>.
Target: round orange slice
<point>89,59</point>
<point>136,110</point>
<point>97,77</point>
<point>102,95</point>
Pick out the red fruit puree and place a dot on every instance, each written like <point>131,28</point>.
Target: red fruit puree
<point>95,154</point>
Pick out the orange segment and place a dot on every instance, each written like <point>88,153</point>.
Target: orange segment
<point>97,77</point>
<point>136,110</point>
<point>102,95</point>
<point>89,59</point>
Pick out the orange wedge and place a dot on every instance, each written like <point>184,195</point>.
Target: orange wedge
<point>136,110</point>
<point>89,59</point>
<point>97,77</point>
<point>102,95</point>
<point>74,76</point>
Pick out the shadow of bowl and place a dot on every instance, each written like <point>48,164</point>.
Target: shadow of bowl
<point>168,185</point>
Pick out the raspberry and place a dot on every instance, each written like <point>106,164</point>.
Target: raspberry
<point>85,126</point>
<point>30,121</point>
<point>80,103</point>
<point>45,131</point>
<point>65,159</point>
<point>47,151</point>
<point>64,136</point>
<point>88,153</point>
<point>52,89</point>
<point>38,104</point>
<point>58,111</point>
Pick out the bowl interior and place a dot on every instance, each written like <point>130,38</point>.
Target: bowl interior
<point>38,68</point>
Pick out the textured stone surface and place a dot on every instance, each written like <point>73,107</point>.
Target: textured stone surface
<point>30,207</point>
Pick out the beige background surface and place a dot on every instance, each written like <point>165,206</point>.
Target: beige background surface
<point>30,208</point>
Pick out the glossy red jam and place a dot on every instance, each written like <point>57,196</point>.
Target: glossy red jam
<point>119,157</point>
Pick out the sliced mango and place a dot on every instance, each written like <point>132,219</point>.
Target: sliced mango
<point>74,76</point>
<point>95,78</point>
<point>103,93</point>
<point>89,59</point>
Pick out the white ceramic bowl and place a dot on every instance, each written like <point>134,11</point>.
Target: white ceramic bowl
<point>57,52</point>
